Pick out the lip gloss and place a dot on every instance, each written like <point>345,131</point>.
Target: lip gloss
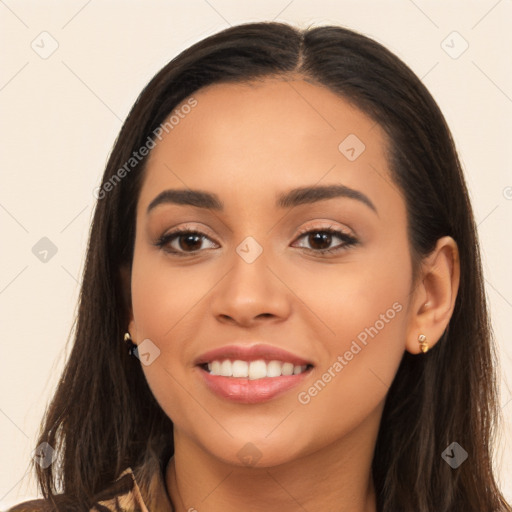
<point>247,391</point>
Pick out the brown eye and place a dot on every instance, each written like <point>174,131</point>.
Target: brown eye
<point>320,240</point>
<point>190,242</point>
<point>185,242</point>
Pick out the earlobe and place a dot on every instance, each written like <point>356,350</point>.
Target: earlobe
<point>434,297</point>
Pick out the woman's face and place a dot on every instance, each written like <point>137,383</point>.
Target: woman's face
<point>257,342</point>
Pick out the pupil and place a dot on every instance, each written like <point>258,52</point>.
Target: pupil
<point>190,241</point>
<point>320,240</point>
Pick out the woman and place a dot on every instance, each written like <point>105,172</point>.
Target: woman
<point>284,239</point>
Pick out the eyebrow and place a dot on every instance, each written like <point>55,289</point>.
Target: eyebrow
<point>305,195</point>
<point>190,197</point>
<point>290,199</point>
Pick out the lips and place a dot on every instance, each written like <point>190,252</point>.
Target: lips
<point>251,374</point>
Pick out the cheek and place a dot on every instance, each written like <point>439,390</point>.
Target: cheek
<point>164,297</point>
<point>363,309</point>
<point>361,300</point>
<point>165,303</point>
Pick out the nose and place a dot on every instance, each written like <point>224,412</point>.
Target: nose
<point>251,293</point>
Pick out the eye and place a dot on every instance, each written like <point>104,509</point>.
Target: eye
<point>321,240</point>
<point>185,241</point>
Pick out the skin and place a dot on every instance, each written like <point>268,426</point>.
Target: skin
<point>247,143</point>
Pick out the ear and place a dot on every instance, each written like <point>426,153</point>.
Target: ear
<point>125,276</point>
<point>434,296</point>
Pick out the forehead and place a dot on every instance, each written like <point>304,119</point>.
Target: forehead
<point>266,134</point>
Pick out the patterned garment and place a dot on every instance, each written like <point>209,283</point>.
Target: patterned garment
<point>124,495</point>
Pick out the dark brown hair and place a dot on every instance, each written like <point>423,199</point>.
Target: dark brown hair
<point>104,417</point>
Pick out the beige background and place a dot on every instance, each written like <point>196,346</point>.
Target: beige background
<point>60,115</point>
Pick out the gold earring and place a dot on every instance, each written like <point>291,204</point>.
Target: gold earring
<point>129,343</point>
<point>422,340</point>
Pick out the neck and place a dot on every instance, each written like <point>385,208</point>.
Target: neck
<point>337,477</point>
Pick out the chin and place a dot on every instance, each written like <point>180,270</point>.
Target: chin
<point>257,449</point>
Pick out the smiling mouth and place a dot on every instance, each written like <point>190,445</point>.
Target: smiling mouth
<point>252,382</point>
<point>251,374</point>
<point>253,370</point>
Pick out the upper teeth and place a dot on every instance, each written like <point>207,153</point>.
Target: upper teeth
<point>254,370</point>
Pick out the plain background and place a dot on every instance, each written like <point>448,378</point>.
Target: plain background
<point>60,114</point>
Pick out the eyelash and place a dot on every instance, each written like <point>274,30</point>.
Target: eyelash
<point>348,240</point>
<point>165,239</point>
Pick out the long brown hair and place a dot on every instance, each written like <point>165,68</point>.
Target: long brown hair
<point>104,418</point>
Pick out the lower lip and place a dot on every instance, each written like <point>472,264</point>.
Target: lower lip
<point>248,391</point>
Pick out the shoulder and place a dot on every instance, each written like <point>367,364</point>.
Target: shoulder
<point>122,495</point>
<point>32,506</point>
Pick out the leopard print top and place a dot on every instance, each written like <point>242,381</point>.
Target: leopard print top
<point>124,495</point>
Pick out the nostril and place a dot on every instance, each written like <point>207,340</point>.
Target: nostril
<point>226,317</point>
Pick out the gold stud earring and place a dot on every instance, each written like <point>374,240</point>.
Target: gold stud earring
<point>129,343</point>
<point>422,340</point>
